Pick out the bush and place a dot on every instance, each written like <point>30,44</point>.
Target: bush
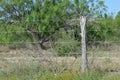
<point>13,35</point>
<point>66,44</point>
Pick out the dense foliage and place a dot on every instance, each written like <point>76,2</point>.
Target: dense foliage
<point>40,20</point>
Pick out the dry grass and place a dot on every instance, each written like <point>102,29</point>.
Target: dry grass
<point>105,61</point>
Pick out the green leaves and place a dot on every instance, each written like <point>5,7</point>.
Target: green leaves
<point>89,7</point>
<point>45,17</point>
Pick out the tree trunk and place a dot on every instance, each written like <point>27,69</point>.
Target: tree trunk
<point>83,40</point>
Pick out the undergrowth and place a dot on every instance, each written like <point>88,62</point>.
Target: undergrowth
<point>38,73</point>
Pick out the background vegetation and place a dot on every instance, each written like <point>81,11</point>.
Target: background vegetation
<point>54,24</point>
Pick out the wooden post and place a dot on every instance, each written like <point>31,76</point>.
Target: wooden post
<point>83,40</point>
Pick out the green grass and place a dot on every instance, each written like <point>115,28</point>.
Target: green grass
<point>37,73</point>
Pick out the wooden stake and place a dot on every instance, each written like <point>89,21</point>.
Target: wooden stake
<point>83,40</point>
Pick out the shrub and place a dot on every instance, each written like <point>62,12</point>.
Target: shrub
<point>66,44</point>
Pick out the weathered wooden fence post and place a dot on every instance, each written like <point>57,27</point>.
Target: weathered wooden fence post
<point>83,40</point>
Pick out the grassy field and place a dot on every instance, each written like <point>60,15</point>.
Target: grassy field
<point>34,73</point>
<point>42,65</point>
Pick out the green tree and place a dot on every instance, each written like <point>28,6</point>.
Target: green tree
<point>15,10</point>
<point>117,26</point>
<point>12,14</point>
<point>101,30</point>
<point>47,19</point>
<point>40,17</point>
